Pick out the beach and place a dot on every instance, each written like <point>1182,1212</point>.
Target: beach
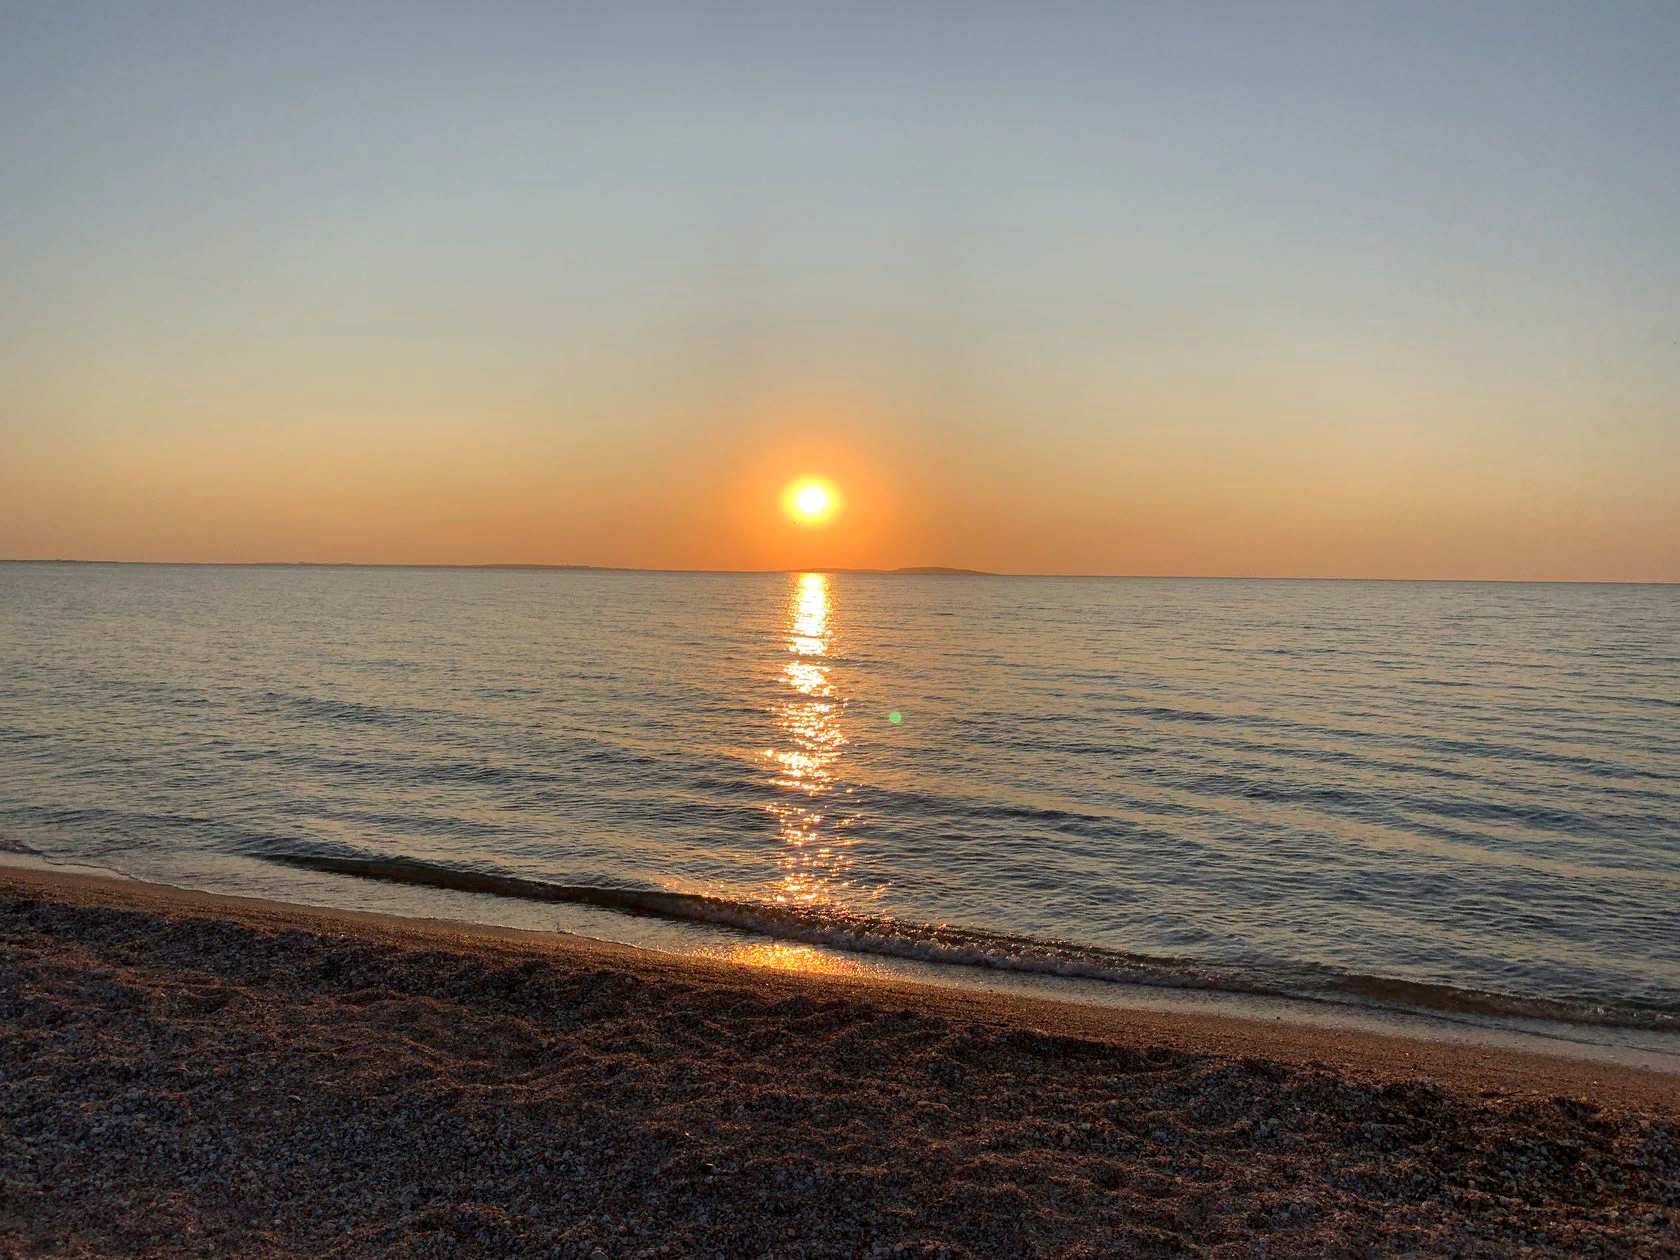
<point>190,1073</point>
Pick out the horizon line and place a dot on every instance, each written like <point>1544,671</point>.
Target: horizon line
<point>902,571</point>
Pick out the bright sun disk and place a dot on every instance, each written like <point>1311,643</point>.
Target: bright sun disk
<point>811,502</point>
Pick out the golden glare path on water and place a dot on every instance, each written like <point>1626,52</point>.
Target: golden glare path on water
<point>813,865</point>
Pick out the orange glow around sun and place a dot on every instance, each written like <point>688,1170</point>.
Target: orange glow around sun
<point>811,501</point>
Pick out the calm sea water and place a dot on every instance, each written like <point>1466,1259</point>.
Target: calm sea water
<point>1447,796</point>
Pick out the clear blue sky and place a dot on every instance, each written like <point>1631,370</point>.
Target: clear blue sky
<point>1284,288</point>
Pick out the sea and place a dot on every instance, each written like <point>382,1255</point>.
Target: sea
<point>1450,803</point>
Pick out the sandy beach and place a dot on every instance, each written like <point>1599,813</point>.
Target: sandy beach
<point>187,1073</point>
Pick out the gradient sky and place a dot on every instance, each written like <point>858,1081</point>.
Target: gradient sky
<point>1288,289</point>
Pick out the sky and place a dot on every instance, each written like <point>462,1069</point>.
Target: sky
<point>1331,290</point>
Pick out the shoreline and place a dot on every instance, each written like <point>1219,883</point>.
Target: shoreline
<point>1453,1065</point>
<point>1593,1049</point>
<point>190,1072</point>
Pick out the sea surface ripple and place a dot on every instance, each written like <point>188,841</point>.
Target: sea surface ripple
<point>1446,796</point>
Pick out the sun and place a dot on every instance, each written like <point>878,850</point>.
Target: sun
<point>811,501</point>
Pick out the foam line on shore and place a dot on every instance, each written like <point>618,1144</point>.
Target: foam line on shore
<point>838,929</point>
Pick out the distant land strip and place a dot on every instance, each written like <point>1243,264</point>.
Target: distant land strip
<point>924,570</point>
<point>929,570</point>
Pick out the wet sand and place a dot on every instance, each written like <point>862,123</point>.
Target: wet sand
<point>189,1073</point>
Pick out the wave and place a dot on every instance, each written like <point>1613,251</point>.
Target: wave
<point>852,932</point>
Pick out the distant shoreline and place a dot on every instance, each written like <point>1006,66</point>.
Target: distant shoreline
<point>918,570</point>
<point>906,571</point>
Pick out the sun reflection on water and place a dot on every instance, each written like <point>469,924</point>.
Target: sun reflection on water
<point>789,956</point>
<point>808,716</point>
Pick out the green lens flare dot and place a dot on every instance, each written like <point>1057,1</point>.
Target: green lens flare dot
<point>895,717</point>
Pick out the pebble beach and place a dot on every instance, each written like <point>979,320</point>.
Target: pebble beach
<point>189,1074</point>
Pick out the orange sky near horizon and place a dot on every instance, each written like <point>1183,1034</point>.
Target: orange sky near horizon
<point>709,495</point>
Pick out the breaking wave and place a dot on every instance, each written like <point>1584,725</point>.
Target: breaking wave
<point>836,928</point>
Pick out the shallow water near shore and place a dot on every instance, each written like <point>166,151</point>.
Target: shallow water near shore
<point>1451,799</point>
